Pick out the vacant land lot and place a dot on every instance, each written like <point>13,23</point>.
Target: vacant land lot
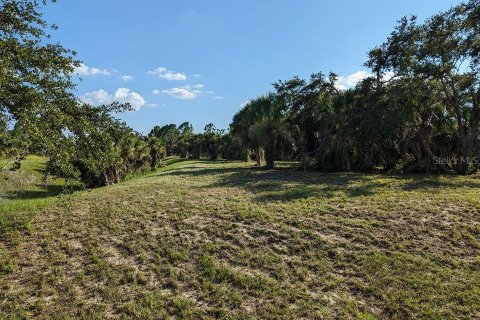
<point>23,193</point>
<point>219,239</point>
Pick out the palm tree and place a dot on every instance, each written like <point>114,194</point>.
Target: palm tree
<point>271,128</point>
<point>157,151</point>
<point>240,126</point>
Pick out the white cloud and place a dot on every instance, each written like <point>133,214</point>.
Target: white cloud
<point>388,76</point>
<point>97,97</point>
<point>174,76</point>
<point>351,81</point>
<point>244,103</point>
<point>184,93</point>
<point>187,92</point>
<point>84,70</point>
<point>209,92</point>
<point>344,83</point>
<point>193,88</point>
<point>122,95</point>
<point>217,98</point>
<point>196,75</point>
<point>155,105</point>
<point>164,73</point>
<point>126,78</point>
<point>156,91</point>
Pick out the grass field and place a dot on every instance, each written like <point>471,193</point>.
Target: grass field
<point>205,240</point>
<point>23,193</point>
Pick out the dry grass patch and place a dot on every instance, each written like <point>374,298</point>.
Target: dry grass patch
<point>223,240</point>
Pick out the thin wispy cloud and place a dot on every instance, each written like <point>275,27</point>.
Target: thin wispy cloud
<point>166,74</point>
<point>84,70</point>
<point>126,78</point>
<point>155,105</point>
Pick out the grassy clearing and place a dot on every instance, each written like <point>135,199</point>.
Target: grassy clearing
<point>223,240</point>
<point>23,193</point>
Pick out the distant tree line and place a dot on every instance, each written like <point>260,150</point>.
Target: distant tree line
<point>182,141</point>
<point>420,112</point>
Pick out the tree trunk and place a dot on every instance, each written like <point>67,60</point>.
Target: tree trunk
<point>153,163</point>
<point>475,124</point>
<point>258,156</point>
<point>270,153</point>
<point>269,158</point>
<point>462,167</point>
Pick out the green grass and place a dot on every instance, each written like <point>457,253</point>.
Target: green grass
<point>225,240</point>
<point>23,193</point>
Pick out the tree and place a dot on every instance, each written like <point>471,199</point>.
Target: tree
<point>212,140</point>
<point>240,130</point>
<point>186,132</point>
<point>157,151</point>
<point>35,75</point>
<point>100,150</point>
<point>270,128</point>
<point>316,111</point>
<point>195,145</point>
<point>301,99</point>
<point>442,52</point>
<point>262,124</point>
<point>169,134</point>
<point>231,148</point>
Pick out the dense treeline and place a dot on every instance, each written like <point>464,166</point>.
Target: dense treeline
<point>182,141</point>
<point>419,112</point>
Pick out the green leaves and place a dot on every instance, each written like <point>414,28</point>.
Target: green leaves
<point>421,103</point>
<point>35,84</point>
<point>262,123</point>
<point>441,53</point>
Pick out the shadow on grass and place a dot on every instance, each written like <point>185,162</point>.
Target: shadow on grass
<point>280,185</point>
<point>169,165</point>
<point>42,192</point>
<point>422,182</point>
<point>289,184</point>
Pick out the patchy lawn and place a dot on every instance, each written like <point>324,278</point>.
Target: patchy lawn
<point>204,240</point>
<point>23,193</point>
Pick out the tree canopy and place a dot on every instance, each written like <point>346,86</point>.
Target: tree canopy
<point>418,112</point>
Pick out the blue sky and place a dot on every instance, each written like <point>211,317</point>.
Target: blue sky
<point>199,60</point>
